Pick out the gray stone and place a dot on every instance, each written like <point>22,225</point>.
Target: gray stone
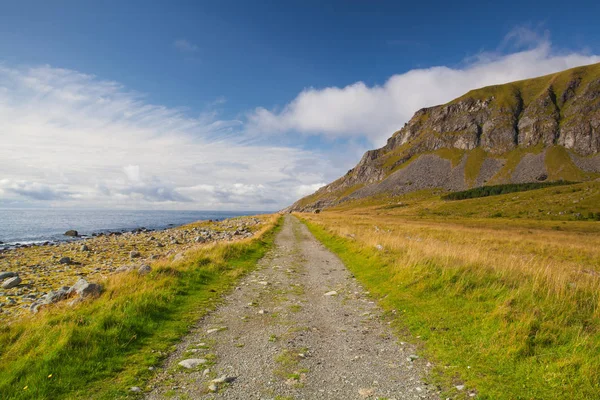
<point>134,254</point>
<point>72,233</point>
<point>65,261</point>
<point>144,269</point>
<point>124,268</point>
<point>84,248</point>
<point>84,289</point>
<point>199,239</point>
<point>11,282</point>
<point>135,389</point>
<point>192,363</point>
<point>55,295</point>
<point>331,293</point>
<point>4,275</point>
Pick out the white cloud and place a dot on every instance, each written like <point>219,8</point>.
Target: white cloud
<point>71,139</point>
<point>375,112</point>
<point>185,46</point>
<point>305,190</point>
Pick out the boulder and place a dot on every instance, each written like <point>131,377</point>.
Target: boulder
<point>84,248</point>
<point>56,295</point>
<point>192,363</point>
<point>5,275</point>
<point>199,239</point>
<point>144,269</point>
<point>84,289</point>
<point>134,254</point>
<point>11,282</point>
<point>71,233</point>
<point>65,261</point>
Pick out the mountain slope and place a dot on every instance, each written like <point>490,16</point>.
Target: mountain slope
<point>546,128</point>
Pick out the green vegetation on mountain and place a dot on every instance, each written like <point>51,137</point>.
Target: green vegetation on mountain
<point>484,191</point>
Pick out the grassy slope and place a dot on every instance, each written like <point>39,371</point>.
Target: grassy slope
<point>101,348</point>
<point>508,306</point>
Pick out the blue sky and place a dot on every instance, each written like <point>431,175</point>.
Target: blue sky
<point>305,86</point>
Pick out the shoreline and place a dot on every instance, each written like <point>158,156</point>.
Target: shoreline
<point>45,268</point>
<point>104,232</point>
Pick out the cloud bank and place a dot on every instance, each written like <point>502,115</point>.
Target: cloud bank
<point>71,139</point>
<point>375,112</point>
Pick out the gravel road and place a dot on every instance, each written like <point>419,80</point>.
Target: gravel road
<point>298,327</point>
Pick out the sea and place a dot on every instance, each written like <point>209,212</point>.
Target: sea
<point>30,226</point>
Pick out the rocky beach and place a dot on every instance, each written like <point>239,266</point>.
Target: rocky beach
<point>36,276</point>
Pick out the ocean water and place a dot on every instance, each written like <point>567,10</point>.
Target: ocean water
<point>27,226</point>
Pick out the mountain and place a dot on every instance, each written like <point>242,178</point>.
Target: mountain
<point>541,129</point>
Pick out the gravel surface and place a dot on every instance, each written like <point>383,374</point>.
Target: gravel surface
<point>298,327</point>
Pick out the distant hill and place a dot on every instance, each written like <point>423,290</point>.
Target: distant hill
<point>534,130</point>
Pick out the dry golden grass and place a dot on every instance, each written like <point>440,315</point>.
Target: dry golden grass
<point>508,307</point>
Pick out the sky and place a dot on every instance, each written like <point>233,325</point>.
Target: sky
<point>242,105</point>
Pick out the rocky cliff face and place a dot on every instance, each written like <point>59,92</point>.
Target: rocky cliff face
<point>495,125</point>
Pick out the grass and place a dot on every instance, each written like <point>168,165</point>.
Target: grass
<point>101,348</point>
<point>560,166</point>
<point>508,307</point>
<point>475,159</point>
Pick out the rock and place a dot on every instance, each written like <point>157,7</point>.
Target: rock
<point>160,244</point>
<point>144,269</point>
<point>212,387</point>
<point>55,295</point>
<point>134,254</point>
<point>264,283</point>
<point>460,387</point>
<point>124,268</point>
<point>11,282</point>
<point>412,357</point>
<point>84,248</point>
<point>262,311</point>
<point>84,289</point>
<point>212,331</point>
<point>4,275</point>
<point>65,261</point>
<point>379,247</point>
<point>135,389</point>
<point>199,239</point>
<point>72,233</point>
<point>332,293</point>
<point>224,379</point>
<point>192,363</point>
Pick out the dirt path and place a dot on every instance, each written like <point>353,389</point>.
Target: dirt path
<point>279,336</point>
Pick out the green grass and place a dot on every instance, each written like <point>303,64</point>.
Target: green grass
<point>453,155</point>
<point>501,334</point>
<point>497,190</point>
<point>560,166</point>
<point>475,159</point>
<point>101,348</point>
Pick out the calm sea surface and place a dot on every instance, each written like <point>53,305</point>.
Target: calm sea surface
<point>34,226</point>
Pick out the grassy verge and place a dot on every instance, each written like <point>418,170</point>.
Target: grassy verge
<point>101,348</point>
<point>510,317</point>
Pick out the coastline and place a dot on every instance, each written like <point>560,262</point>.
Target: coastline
<point>55,265</point>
